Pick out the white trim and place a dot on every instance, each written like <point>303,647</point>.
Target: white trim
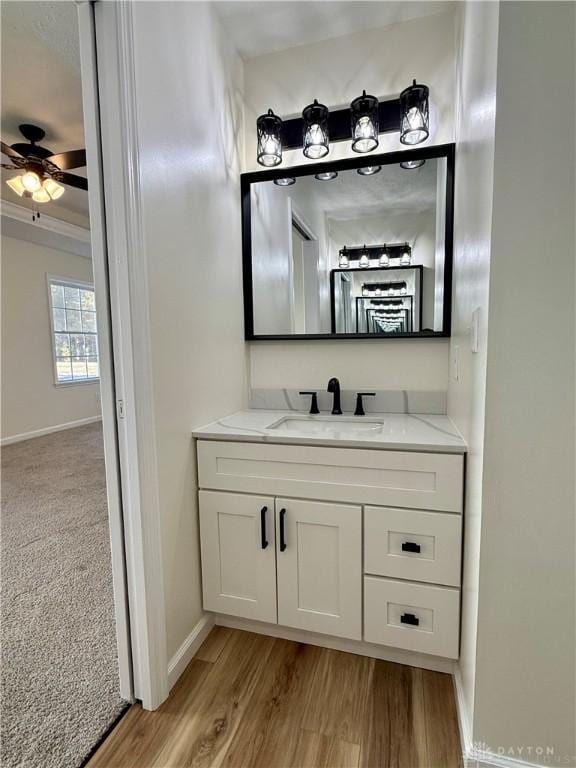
<point>132,349</point>
<point>90,103</point>
<point>189,649</point>
<point>16,222</point>
<point>464,724</point>
<point>48,430</point>
<point>360,648</point>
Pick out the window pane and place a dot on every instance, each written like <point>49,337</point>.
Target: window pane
<point>87,300</point>
<point>79,368</point>
<point>73,320</point>
<point>89,322</point>
<point>72,297</point>
<point>64,370</point>
<point>59,319</point>
<point>93,367</point>
<point>90,345</point>
<point>57,294</point>
<point>62,344</point>
<point>77,344</point>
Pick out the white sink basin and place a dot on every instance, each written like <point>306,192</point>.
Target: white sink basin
<point>327,425</point>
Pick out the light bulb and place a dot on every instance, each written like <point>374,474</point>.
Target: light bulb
<point>31,181</point>
<point>54,189</point>
<point>41,196</point>
<point>384,260</point>
<point>364,260</point>
<point>405,258</point>
<point>403,291</point>
<point>364,139</point>
<point>326,175</point>
<point>344,262</point>
<point>369,170</point>
<point>16,185</point>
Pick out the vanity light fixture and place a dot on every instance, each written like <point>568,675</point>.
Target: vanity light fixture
<point>364,123</point>
<point>369,170</point>
<point>364,260</point>
<point>326,176</point>
<point>343,260</point>
<point>384,260</point>
<point>406,257</point>
<point>315,137</point>
<point>414,114</point>
<point>286,182</point>
<point>269,133</point>
<point>410,165</point>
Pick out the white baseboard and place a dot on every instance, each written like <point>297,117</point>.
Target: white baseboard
<point>189,649</point>
<point>410,658</point>
<point>464,723</point>
<point>484,759</point>
<point>48,430</point>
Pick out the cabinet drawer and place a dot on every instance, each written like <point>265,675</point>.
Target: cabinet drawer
<point>391,478</point>
<point>417,617</point>
<point>410,544</point>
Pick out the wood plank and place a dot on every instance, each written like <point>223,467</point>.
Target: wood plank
<point>341,685</point>
<point>320,751</point>
<point>441,719</point>
<point>214,644</point>
<point>203,736</point>
<point>141,734</point>
<point>388,740</point>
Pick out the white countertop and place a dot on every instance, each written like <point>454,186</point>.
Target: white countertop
<point>385,431</point>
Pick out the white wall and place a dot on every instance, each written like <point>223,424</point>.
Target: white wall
<point>30,399</point>
<point>525,678</point>
<point>476,102</point>
<point>383,61</point>
<point>188,111</point>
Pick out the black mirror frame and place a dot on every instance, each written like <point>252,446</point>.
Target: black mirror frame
<point>353,163</point>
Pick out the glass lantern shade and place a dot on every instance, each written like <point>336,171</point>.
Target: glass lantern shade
<point>269,133</point>
<point>364,260</point>
<point>286,182</point>
<point>384,259</point>
<point>53,189</point>
<point>406,256</point>
<point>327,176</point>
<point>343,260</point>
<point>410,165</point>
<point>364,123</point>
<point>414,114</point>
<point>369,170</point>
<point>15,184</point>
<point>315,131</point>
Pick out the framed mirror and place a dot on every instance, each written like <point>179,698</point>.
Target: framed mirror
<point>355,248</point>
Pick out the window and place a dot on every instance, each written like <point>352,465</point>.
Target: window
<point>74,333</point>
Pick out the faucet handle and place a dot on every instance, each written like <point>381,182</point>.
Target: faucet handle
<point>359,404</point>
<point>313,402</point>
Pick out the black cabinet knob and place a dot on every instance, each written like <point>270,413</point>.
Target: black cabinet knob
<point>410,546</point>
<point>409,618</point>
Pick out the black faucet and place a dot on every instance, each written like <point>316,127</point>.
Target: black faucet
<point>334,388</point>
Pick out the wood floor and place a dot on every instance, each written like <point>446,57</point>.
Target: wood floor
<point>251,701</point>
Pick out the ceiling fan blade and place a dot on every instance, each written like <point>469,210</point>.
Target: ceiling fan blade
<point>7,150</point>
<point>76,158</point>
<point>72,180</point>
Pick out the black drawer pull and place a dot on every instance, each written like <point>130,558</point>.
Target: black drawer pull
<point>282,532</point>
<point>263,539</point>
<point>409,618</point>
<point>410,546</point>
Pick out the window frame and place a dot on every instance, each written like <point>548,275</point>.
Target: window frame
<point>71,282</point>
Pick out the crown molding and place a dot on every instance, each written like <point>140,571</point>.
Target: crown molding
<point>48,231</point>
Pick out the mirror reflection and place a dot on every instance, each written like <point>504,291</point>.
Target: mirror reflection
<point>358,251</point>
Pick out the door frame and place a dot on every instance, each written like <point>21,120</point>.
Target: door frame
<point>120,278</point>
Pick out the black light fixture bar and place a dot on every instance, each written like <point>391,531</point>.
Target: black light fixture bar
<point>383,286</point>
<point>339,124</point>
<point>394,251</point>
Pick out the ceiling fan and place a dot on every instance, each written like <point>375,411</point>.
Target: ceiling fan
<point>42,173</point>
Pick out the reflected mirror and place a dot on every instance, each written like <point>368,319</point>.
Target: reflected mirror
<point>347,250</point>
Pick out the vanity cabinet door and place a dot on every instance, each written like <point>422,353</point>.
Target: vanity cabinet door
<point>238,554</point>
<point>319,566</point>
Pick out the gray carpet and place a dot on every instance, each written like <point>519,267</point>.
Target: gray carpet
<point>59,662</point>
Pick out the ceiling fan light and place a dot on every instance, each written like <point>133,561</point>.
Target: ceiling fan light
<point>41,196</point>
<point>54,189</point>
<point>15,184</point>
<point>31,181</point>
